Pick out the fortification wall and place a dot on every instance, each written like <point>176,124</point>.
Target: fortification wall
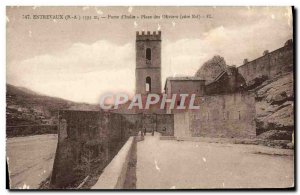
<point>165,124</point>
<point>226,116</point>
<point>87,141</point>
<point>270,65</point>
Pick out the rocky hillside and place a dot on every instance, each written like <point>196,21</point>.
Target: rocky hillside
<point>212,68</point>
<point>25,107</point>
<point>275,108</point>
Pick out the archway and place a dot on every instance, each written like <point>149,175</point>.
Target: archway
<point>148,84</point>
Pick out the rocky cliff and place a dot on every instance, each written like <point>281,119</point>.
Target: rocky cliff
<point>275,108</point>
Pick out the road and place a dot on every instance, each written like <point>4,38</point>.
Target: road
<point>30,160</point>
<point>171,164</point>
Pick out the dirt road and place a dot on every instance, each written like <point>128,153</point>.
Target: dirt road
<point>30,160</point>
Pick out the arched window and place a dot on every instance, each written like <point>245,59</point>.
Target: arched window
<point>148,54</point>
<point>148,84</point>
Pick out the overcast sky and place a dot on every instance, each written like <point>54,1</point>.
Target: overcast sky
<point>79,60</point>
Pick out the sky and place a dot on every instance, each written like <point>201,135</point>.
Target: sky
<point>79,60</point>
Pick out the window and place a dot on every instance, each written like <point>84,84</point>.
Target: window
<point>148,54</point>
<point>148,84</point>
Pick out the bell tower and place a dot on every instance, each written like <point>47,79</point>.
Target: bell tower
<point>148,63</point>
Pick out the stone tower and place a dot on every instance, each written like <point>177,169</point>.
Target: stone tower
<point>148,63</point>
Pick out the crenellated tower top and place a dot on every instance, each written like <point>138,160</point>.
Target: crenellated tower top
<point>148,36</point>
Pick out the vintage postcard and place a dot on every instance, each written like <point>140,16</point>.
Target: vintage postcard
<point>150,97</point>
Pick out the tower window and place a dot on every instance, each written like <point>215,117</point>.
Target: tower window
<point>148,54</point>
<point>148,84</point>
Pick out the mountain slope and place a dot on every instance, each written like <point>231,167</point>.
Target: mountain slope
<point>26,107</point>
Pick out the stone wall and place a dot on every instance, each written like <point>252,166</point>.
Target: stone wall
<point>114,175</point>
<point>141,75</point>
<point>230,81</point>
<point>185,86</point>
<point>165,124</point>
<point>87,141</point>
<point>149,122</point>
<point>226,116</point>
<point>270,64</point>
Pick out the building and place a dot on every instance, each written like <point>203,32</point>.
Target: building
<point>228,81</point>
<point>183,85</point>
<point>148,63</point>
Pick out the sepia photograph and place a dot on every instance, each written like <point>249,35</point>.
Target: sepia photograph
<point>150,97</point>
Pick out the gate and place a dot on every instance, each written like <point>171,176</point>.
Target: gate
<point>149,122</point>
